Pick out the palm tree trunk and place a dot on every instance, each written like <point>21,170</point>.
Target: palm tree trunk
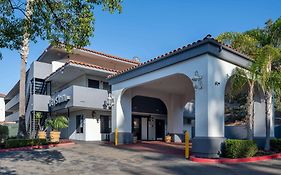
<point>250,109</point>
<point>268,112</point>
<point>24,53</point>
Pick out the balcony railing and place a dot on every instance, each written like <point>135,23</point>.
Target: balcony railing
<point>78,96</point>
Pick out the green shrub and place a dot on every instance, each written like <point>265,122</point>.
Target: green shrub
<point>275,145</point>
<point>4,132</point>
<point>239,148</point>
<point>15,143</point>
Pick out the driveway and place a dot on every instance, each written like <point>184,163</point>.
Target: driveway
<point>100,158</point>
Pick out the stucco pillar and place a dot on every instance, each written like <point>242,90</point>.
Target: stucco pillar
<point>209,116</point>
<point>175,118</point>
<point>122,116</point>
<point>260,121</point>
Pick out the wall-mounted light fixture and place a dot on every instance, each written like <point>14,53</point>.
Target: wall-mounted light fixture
<point>95,116</point>
<point>217,83</point>
<point>109,101</point>
<point>197,81</point>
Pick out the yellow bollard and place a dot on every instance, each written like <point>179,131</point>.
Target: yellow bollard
<point>116,137</point>
<point>186,145</point>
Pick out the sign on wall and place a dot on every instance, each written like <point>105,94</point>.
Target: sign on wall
<point>58,100</point>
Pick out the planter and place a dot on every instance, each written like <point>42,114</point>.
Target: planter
<point>41,135</point>
<point>168,139</point>
<point>54,136</point>
<point>135,139</point>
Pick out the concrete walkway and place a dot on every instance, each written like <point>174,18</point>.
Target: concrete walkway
<point>100,158</point>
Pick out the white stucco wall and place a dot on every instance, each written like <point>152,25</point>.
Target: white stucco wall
<point>209,101</point>
<point>2,109</point>
<point>91,126</point>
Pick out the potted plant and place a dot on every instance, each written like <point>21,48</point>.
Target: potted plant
<point>42,131</point>
<point>55,124</point>
<point>168,138</point>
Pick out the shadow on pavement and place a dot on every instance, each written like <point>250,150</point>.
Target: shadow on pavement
<point>7,171</point>
<point>42,156</point>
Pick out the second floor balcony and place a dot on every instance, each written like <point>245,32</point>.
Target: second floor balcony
<point>78,96</point>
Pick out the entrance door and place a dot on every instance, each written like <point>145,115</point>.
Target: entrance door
<point>160,129</point>
<point>136,127</point>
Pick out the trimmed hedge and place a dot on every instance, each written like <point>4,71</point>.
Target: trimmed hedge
<point>275,145</point>
<point>15,143</point>
<point>239,148</point>
<point>4,132</point>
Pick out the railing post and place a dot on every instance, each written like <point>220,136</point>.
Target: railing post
<point>186,145</point>
<point>116,137</point>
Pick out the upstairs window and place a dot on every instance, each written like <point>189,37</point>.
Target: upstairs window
<point>79,124</point>
<point>93,84</point>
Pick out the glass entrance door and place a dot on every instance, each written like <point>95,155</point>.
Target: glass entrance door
<point>160,129</point>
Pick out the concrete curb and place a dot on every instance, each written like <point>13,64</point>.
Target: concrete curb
<point>238,160</point>
<point>28,148</point>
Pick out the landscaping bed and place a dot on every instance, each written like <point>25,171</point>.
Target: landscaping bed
<point>30,144</point>
<point>241,151</point>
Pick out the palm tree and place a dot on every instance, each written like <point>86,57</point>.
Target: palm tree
<point>241,77</point>
<point>270,81</point>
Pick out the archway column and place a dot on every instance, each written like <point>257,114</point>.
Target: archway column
<point>175,118</point>
<point>209,117</point>
<point>122,116</point>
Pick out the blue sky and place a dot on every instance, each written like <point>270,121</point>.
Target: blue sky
<point>149,28</point>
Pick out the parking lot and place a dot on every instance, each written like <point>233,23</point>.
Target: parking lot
<point>102,158</point>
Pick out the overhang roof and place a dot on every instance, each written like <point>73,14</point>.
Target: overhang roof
<point>2,95</point>
<point>72,62</point>
<point>207,40</point>
<point>48,54</point>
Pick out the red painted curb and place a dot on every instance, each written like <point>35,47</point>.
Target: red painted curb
<point>238,160</point>
<point>28,148</point>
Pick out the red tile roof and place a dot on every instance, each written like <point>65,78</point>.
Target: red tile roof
<point>2,95</point>
<point>208,37</point>
<point>91,65</point>
<point>110,56</point>
<point>83,64</point>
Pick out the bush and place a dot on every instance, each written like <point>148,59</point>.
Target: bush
<point>15,143</point>
<point>275,145</point>
<point>4,132</point>
<point>239,148</point>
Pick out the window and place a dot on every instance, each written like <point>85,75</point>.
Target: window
<point>93,84</point>
<point>106,86</point>
<point>186,121</point>
<point>105,125</point>
<point>79,123</point>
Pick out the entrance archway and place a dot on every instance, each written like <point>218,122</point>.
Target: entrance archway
<point>149,118</point>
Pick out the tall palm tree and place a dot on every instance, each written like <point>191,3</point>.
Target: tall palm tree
<point>241,77</point>
<point>270,81</point>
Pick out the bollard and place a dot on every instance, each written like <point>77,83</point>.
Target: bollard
<point>116,137</point>
<point>186,145</point>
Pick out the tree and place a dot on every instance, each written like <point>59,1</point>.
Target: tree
<point>267,60</point>
<point>270,81</point>
<point>69,22</point>
<point>241,77</point>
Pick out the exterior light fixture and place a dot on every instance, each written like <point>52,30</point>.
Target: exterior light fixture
<point>95,116</point>
<point>197,81</point>
<point>109,101</point>
<point>217,83</point>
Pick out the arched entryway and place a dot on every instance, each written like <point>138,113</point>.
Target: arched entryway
<point>149,118</point>
<point>170,97</point>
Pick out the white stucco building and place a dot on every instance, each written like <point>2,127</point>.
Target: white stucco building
<point>2,107</point>
<point>70,84</point>
<point>194,75</point>
<point>178,91</point>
